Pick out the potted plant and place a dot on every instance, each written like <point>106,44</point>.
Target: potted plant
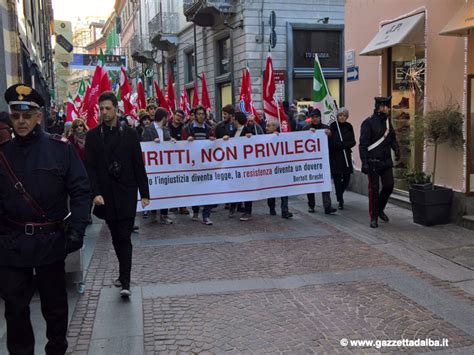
<point>431,204</point>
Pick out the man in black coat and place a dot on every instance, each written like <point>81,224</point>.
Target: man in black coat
<point>116,170</point>
<point>313,126</point>
<point>40,175</point>
<point>377,140</point>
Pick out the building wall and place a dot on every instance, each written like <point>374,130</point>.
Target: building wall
<point>444,69</point>
<point>250,44</point>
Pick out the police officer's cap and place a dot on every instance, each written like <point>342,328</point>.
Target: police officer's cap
<point>383,100</point>
<point>22,97</point>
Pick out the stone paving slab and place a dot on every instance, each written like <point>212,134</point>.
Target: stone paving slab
<point>296,265</point>
<point>309,319</point>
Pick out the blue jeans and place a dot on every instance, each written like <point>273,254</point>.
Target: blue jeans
<point>206,211</point>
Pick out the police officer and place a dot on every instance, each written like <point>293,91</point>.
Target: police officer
<point>377,139</point>
<point>38,172</point>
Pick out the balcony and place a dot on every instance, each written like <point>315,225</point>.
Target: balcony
<point>208,13</point>
<point>163,30</point>
<point>138,48</point>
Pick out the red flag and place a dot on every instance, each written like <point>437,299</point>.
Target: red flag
<point>162,102</point>
<point>246,103</point>
<point>141,99</point>
<point>171,94</point>
<point>273,111</point>
<point>184,103</point>
<point>125,93</point>
<point>206,101</point>
<point>100,83</point>
<point>195,95</point>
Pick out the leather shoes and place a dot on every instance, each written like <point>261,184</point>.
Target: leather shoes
<point>383,217</point>
<point>330,210</point>
<point>374,223</point>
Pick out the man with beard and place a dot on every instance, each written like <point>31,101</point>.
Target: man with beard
<point>116,171</point>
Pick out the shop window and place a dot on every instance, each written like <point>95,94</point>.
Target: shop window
<point>407,90</point>
<point>224,50</point>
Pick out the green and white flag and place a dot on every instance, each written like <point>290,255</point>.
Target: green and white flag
<point>321,96</point>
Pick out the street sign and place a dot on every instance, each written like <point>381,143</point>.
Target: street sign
<point>352,74</point>
<point>63,42</point>
<point>149,72</point>
<point>350,58</point>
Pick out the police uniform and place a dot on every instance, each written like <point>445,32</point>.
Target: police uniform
<point>377,140</point>
<point>34,236</point>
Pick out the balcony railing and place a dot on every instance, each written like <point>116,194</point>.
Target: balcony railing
<point>139,50</point>
<point>163,23</point>
<point>208,13</point>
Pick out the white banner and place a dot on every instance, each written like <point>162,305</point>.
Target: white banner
<point>240,169</point>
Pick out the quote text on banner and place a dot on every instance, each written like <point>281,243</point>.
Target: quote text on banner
<point>239,169</point>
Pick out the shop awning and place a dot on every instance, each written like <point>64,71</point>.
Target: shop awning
<point>406,31</point>
<point>461,23</point>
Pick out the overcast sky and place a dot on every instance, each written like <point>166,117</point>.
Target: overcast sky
<point>70,10</point>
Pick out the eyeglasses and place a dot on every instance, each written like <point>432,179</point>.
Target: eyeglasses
<point>26,115</point>
<point>80,126</point>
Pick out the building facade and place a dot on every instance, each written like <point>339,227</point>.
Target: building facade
<point>25,45</point>
<point>222,37</point>
<point>403,50</point>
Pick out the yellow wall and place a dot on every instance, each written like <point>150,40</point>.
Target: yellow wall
<point>444,68</point>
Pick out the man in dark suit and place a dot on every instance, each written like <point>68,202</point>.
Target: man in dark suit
<point>42,183</point>
<point>158,132</point>
<point>116,170</point>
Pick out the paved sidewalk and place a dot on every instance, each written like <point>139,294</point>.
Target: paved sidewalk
<point>271,285</point>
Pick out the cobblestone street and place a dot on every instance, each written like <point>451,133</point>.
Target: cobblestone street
<point>272,285</point>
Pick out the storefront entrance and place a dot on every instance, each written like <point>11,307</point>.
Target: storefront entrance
<point>401,44</point>
<point>406,86</point>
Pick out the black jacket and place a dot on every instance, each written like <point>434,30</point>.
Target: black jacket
<point>103,147</point>
<point>51,171</point>
<point>372,129</point>
<point>224,128</point>
<point>338,147</point>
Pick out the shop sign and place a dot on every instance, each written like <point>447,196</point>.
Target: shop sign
<point>321,55</point>
<point>326,44</point>
<point>280,84</point>
<point>89,61</point>
<point>352,74</point>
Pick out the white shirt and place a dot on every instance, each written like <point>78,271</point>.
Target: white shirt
<point>160,131</point>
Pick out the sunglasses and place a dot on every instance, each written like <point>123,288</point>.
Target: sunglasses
<point>26,115</point>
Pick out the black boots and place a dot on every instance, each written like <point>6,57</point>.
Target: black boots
<point>330,210</point>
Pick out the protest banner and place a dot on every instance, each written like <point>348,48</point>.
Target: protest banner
<point>239,169</point>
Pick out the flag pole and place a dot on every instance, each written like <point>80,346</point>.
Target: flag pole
<point>334,102</point>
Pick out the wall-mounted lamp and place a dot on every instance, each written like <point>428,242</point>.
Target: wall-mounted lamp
<point>324,20</point>
<point>225,10</point>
